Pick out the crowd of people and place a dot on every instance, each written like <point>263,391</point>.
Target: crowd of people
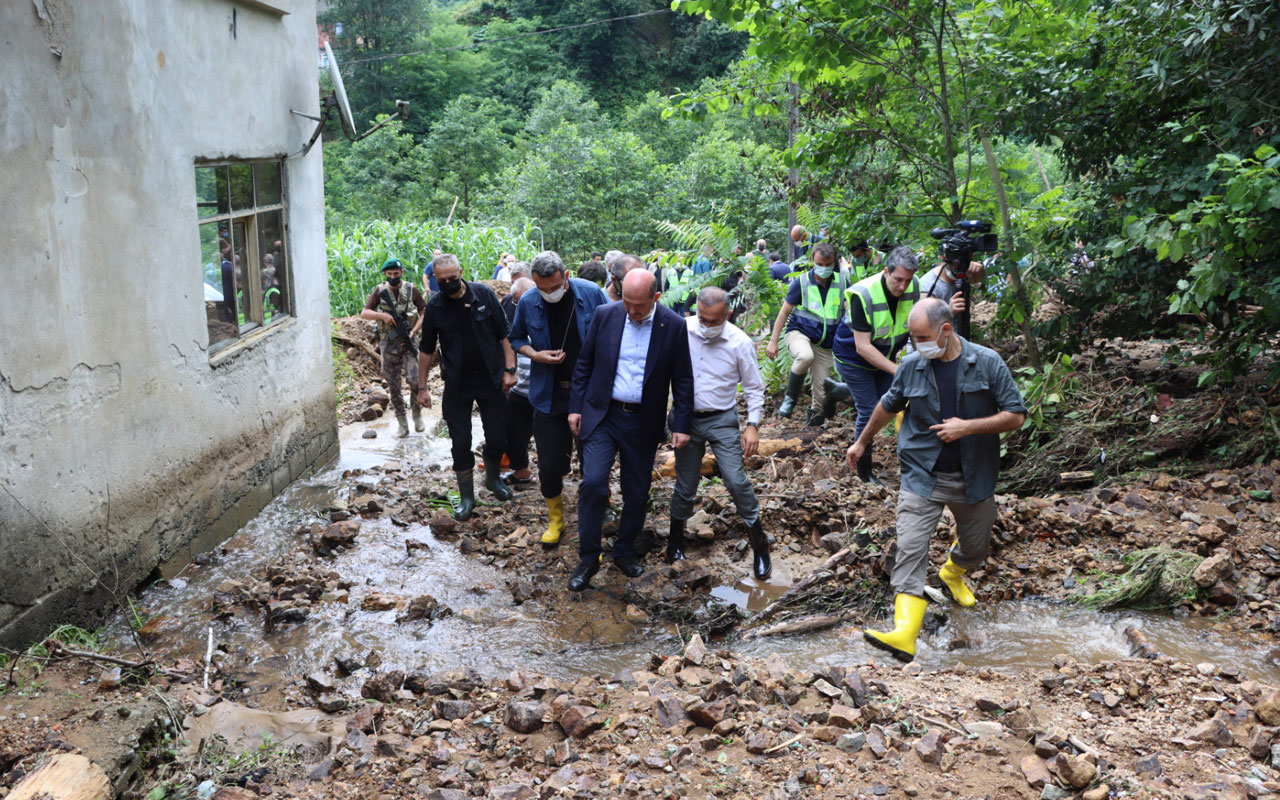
<point>594,364</point>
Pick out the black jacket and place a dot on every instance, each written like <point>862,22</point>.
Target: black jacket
<point>488,327</point>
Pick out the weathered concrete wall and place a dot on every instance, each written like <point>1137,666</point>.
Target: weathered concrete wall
<point>117,433</point>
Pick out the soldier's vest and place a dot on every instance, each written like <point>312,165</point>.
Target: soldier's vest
<point>678,283</point>
<point>404,305</point>
<point>887,332</point>
<point>812,306</point>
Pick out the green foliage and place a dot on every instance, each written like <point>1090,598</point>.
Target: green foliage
<point>385,176</point>
<point>1227,247</point>
<point>1157,579</point>
<point>1048,394</point>
<point>355,256</point>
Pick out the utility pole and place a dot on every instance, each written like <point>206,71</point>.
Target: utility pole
<point>794,174</point>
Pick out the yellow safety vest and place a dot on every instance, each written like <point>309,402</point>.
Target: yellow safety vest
<point>887,332</point>
<point>813,307</point>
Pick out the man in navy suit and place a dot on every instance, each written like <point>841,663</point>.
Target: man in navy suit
<point>635,352</point>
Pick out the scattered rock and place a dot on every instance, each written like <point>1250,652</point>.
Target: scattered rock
<point>695,651</point>
<point>843,716</point>
<point>1268,710</point>
<point>511,791</point>
<point>581,721</point>
<point>1101,792</point>
<point>1074,771</point>
<point>1217,567</point>
<point>523,716</point>
<point>1212,731</point>
<point>452,709</point>
<point>320,682</point>
<point>339,534</point>
<point>1035,770</point>
<point>331,703</point>
<point>423,607</point>
<point>851,742</point>
<point>1150,765</point>
<point>930,748</point>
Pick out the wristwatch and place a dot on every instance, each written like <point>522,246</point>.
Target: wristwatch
<point>509,370</point>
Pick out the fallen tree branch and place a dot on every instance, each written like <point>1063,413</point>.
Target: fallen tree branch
<point>57,648</point>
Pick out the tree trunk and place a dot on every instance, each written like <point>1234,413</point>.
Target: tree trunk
<point>1015,275</point>
<point>793,175</point>
<point>66,776</point>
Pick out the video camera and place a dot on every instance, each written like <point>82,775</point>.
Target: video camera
<point>966,238</point>
<point>957,245</point>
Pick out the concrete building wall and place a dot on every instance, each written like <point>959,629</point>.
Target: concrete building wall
<point>123,444</point>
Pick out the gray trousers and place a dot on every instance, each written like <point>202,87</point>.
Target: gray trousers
<point>918,519</point>
<point>721,432</point>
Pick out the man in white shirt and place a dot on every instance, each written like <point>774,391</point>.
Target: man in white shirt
<point>723,357</point>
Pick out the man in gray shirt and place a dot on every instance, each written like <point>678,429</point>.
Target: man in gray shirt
<point>958,397</point>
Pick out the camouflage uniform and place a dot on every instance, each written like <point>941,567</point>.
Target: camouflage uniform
<point>397,361</point>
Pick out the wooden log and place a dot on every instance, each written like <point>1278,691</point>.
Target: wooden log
<point>1139,645</point>
<point>768,447</point>
<point>1083,478</point>
<point>817,622</point>
<point>66,776</point>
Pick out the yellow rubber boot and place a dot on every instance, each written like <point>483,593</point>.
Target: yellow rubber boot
<point>953,577</point>
<point>555,524</point>
<point>908,616</point>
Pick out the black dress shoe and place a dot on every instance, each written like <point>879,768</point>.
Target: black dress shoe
<point>629,567</point>
<point>582,574</point>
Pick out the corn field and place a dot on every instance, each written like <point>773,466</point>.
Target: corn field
<point>355,256</point>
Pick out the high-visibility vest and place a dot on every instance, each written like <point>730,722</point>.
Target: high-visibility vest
<point>678,283</point>
<point>887,332</point>
<point>812,305</point>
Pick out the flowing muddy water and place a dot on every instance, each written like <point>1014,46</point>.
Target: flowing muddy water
<point>575,635</point>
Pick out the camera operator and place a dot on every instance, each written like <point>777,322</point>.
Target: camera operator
<point>943,281</point>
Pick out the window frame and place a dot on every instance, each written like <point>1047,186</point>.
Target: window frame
<point>254,302</point>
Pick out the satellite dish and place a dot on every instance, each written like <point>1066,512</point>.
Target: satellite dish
<point>340,93</point>
<point>338,99</point>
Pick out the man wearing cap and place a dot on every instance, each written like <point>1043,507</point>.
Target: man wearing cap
<point>395,296</point>
<point>723,359</point>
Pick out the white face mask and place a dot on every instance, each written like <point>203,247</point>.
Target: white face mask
<point>931,350</point>
<point>712,332</point>
<point>823,272</point>
<point>552,297</point>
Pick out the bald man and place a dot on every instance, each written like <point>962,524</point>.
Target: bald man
<point>635,353</point>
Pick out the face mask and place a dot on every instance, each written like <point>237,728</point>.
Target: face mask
<point>860,260</point>
<point>393,282</point>
<point>823,272</point>
<point>450,287</point>
<point>552,297</point>
<point>710,332</point>
<point>931,350</point>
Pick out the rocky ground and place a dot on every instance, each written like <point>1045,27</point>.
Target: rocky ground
<point>707,721</point>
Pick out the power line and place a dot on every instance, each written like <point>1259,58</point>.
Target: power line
<point>513,36</point>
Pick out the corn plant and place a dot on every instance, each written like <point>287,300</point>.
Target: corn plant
<point>355,256</point>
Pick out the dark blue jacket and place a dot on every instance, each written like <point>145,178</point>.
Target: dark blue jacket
<point>667,367</point>
<point>530,327</point>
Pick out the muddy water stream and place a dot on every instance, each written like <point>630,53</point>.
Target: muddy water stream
<point>573,635</point>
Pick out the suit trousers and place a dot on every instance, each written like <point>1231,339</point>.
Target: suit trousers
<point>721,432</point>
<point>617,435</point>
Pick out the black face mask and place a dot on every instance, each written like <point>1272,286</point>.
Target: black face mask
<point>450,287</point>
<point>394,282</point>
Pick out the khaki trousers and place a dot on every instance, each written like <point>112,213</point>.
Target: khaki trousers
<point>808,357</point>
<point>918,519</point>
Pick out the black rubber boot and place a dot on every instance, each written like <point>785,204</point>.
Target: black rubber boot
<point>865,468</point>
<point>761,565</point>
<point>493,480</point>
<point>836,393</point>
<point>795,385</point>
<point>675,541</point>
<point>467,493</point>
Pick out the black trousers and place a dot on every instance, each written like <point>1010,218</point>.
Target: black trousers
<point>455,407</point>
<point>519,430</point>
<point>555,443</point>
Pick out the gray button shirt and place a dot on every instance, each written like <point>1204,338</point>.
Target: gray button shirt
<point>984,387</point>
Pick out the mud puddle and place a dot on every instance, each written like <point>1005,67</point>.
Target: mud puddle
<point>1016,635</point>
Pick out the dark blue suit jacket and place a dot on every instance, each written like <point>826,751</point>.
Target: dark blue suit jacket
<point>667,368</point>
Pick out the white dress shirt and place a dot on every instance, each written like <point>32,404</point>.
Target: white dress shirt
<point>719,365</point>
<point>628,381</point>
